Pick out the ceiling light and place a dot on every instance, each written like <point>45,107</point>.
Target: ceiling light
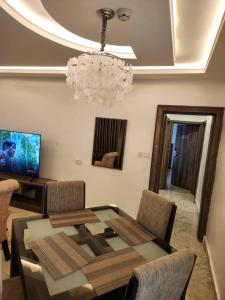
<point>100,77</point>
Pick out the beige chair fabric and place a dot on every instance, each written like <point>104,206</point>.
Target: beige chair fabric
<point>154,213</point>
<point>65,195</point>
<point>166,277</point>
<point>107,160</point>
<point>7,187</point>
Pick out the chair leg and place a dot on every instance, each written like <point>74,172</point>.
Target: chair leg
<point>5,248</point>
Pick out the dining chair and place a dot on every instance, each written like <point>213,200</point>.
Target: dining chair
<point>165,278</point>
<point>107,160</point>
<point>7,187</point>
<point>157,214</point>
<point>65,196</point>
<point>10,289</point>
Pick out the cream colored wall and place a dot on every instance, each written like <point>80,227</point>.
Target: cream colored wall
<point>216,223</point>
<point>67,128</point>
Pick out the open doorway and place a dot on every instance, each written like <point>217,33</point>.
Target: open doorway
<point>205,157</point>
<point>185,149</point>
<point>186,154</point>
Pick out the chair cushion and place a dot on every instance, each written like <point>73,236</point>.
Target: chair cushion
<point>166,277</point>
<point>154,213</point>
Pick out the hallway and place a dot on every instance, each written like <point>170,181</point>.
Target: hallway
<point>184,236</point>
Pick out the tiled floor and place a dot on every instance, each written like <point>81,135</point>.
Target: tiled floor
<point>184,235</point>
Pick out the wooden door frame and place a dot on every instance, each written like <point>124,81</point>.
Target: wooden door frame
<point>210,169</point>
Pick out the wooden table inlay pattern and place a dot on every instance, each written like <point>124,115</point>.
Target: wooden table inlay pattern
<point>133,233</point>
<point>73,218</point>
<point>112,270</point>
<point>60,255</point>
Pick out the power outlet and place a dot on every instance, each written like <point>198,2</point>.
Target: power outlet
<point>140,154</point>
<point>143,155</point>
<point>78,162</point>
<point>146,155</point>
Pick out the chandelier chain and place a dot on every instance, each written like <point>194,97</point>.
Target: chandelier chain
<point>103,33</point>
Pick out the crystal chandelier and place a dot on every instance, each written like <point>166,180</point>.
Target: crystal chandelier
<point>99,77</point>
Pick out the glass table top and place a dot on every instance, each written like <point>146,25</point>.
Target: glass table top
<point>40,229</point>
<point>94,244</point>
<point>106,214</point>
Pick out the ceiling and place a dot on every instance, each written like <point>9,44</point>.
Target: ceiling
<point>143,27</point>
<point>166,36</point>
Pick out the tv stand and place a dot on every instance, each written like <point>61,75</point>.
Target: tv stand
<point>31,194</point>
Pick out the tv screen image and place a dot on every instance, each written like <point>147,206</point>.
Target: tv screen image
<point>20,152</point>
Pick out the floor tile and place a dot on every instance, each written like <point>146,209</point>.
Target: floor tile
<point>185,236</point>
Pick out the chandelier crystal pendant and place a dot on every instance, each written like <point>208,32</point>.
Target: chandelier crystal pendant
<point>99,77</point>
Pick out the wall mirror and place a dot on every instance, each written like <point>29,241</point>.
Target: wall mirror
<point>109,140</point>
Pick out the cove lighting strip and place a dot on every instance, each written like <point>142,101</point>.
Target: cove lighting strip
<point>137,70</point>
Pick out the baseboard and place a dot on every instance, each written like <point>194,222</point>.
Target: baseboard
<point>212,269</point>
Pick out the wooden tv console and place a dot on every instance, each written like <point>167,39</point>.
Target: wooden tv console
<point>31,194</point>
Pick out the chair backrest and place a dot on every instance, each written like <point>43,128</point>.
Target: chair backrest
<point>166,278</point>
<point>157,214</point>
<point>7,187</point>
<point>65,195</point>
<point>108,159</point>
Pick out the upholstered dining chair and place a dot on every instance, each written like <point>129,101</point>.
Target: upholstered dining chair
<point>165,278</point>
<point>65,196</point>
<point>107,160</point>
<point>7,187</point>
<point>10,289</point>
<point>157,214</point>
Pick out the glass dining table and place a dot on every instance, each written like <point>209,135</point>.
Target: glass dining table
<point>98,240</point>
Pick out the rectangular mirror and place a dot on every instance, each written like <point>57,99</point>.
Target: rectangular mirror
<point>109,140</point>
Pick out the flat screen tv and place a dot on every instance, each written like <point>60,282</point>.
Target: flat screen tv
<point>20,152</point>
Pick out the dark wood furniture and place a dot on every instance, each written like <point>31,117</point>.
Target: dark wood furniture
<point>31,194</point>
<point>170,224</point>
<point>25,263</point>
<point>5,249</point>
<point>12,289</point>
